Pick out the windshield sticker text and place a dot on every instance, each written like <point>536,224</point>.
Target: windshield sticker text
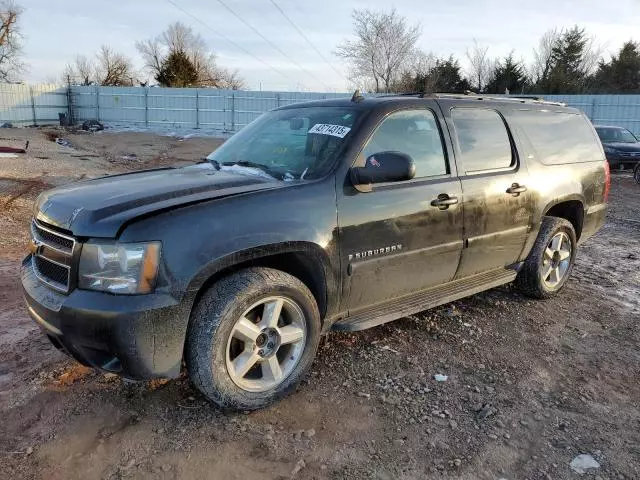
<point>328,129</point>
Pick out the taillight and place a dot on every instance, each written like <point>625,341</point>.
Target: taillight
<point>607,180</point>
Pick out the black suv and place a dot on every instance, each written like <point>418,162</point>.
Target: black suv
<point>621,147</point>
<point>329,215</point>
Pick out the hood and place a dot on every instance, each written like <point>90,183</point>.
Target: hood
<point>623,147</point>
<point>99,207</point>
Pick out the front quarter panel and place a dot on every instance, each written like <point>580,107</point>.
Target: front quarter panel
<point>200,240</point>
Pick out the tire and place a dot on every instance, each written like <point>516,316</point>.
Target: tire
<point>217,341</point>
<point>636,173</point>
<point>530,277</point>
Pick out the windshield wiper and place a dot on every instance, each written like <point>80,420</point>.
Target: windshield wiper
<point>250,164</point>
<point>215,163</point>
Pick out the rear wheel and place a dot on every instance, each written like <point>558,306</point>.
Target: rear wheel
<point>252,338</point>
<point>551,260</point>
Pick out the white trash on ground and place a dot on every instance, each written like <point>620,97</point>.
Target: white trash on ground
<point>582,463</point>
<point>438,377</point>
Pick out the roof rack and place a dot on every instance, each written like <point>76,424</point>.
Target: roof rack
<point>470,95</point>
<point>517,99</point>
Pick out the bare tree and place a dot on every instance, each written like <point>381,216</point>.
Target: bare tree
<point>479,65</point>
<point>81,72</point>
<point>180,38</point>
<point>10,41</point>
<point>418,70</point>
<point>232,80</point>
<point>543,55</point>
<point>382,48</point>
<point>113,69</point>
<point>152,54</point>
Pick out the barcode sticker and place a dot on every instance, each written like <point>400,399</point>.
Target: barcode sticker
<point>328,129</point>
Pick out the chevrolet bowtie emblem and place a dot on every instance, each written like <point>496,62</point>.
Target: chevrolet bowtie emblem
<point>35,247</point>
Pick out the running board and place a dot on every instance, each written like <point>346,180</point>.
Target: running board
<point>416,302</point>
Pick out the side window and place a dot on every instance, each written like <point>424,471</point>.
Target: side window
<point>559,137</point>
<point>415,133</point>
<point>482,138</point>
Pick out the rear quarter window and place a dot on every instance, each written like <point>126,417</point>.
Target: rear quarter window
<point>559,137</point>
<point>482,139</point>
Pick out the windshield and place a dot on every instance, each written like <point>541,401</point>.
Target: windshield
<point>290,144</point>
<point>616,135</point>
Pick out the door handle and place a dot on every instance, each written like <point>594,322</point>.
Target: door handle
<point>516,189</point>
<point>444,201</point>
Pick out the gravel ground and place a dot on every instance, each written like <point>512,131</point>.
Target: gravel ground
<point>531,385</point>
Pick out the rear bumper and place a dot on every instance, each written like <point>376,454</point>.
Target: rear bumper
<point>138,337</point>
<point>594,219</point>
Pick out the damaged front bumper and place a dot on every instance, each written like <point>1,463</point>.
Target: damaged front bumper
<point>136,336</point>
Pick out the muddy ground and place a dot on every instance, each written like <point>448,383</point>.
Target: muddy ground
<point>530,386</point>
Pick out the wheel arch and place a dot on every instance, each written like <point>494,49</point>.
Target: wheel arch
<point>570,208</point>
<point>306,261</point>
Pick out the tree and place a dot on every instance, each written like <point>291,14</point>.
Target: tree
<point>508,76</point>
<point>622,73</point>
<point>446,76</point>
<point>182,40</point>
<point>231,80</point>
<point>570,64</point>
<point>442,75</point>
<point>82,72</point>
<point>108,68</point>
<point>543,55</point>
<point>419,66</point>
<point>10,41</point>
<point>480,66</point>
<point>113,69</point>
<point>382,49</point>
<point>177,71</point>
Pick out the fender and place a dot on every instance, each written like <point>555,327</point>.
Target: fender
<point>324,272</point>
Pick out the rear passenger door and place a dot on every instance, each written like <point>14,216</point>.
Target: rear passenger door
<point>497,205</point>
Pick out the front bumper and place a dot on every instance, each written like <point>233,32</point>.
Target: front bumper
<point>136,336</point>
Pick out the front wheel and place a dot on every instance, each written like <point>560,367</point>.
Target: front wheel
<point>550,261</point>
<point>636,173</point>
<point>252,338</point>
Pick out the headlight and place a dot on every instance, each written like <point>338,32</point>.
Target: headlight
<point>126,268</point>
<point>610,150</point>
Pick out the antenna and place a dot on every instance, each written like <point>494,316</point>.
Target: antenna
<point>356,96</point>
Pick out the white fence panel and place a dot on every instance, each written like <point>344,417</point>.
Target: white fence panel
<point>32,104</point>
<point>218,110</point>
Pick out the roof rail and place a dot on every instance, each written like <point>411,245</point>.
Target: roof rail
<point>518,99</point>
<point>477,96</point>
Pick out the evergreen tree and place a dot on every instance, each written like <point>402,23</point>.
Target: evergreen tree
<point>622,73</point>
<point>177,70</point>
<point>569,64</point>
<point>508,75</point>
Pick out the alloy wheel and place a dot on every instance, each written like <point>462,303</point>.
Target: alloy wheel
<point>556,260</point>
<point>266,343</point>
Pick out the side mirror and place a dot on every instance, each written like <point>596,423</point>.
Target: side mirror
<point>384,167</point>
<point>296,123</point>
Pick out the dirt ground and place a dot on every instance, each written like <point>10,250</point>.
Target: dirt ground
<point>530,386</point>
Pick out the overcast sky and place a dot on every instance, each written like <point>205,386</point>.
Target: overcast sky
<point>57,30</point>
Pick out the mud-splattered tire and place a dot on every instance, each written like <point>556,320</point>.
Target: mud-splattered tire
<point>549,264</point>
<point>252,337</point>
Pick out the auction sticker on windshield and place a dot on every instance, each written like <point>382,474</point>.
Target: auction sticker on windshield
<point>328,129</point>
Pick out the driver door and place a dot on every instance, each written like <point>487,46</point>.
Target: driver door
<point>396,239</point>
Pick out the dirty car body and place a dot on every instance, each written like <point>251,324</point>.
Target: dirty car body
<point>368,251</point>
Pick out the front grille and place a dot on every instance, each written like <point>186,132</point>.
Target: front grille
<point>52,256</point>
<point>630,154</point>
<point>51,238</point>
<point>54,273</point>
